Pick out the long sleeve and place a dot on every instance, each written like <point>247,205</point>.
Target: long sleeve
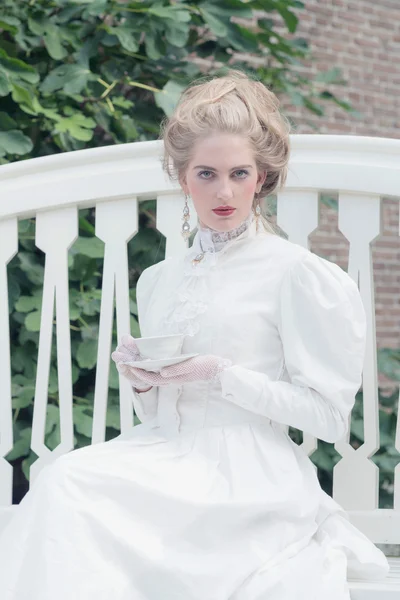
<point>322,326</point>
<point>145,403</point>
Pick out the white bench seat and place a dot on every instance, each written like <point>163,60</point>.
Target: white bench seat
<point>389,589</point>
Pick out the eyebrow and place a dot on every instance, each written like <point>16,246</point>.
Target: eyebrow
<point>213,169</point>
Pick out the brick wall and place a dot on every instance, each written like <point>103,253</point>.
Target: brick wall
<point>362,38</point>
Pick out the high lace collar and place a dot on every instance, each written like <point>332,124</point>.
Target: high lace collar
<point>210,240</point>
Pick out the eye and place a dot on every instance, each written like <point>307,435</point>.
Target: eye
<point>201,174</point>
<point>243,171</point>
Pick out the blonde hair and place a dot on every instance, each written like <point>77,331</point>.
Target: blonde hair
<point>236,104</point>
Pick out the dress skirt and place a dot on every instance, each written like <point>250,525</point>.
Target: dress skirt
<point>227,512</point>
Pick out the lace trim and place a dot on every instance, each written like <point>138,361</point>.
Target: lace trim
<point>192,296</point>
<point>220,238</point>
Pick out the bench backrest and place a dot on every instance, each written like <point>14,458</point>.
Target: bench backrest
<point>113,180</point>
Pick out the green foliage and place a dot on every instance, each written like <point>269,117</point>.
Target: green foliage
<point>82,73</point>
<point>26,273</point>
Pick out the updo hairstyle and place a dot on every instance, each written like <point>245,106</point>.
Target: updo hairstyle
<point>233,104</point>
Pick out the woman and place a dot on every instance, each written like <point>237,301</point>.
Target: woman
<point>208,498</point>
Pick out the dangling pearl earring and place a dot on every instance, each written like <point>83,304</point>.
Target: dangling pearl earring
<point>185,218</point>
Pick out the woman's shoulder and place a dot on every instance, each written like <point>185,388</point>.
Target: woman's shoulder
<point>152,273</point>
<point>298,263</point>
<point>283,252</point>
<point>309,271</point>
<point>157,272</point>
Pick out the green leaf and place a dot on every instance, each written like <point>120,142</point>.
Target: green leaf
<point>74,313</point>
<point>113,380</point>
<point>32,321</point>
<point>135,329</point>
<point>37,26</point>
<point>52,40</point>
<point>216,25</point>
<point>9,24</point>
<point>267,24</point>
<point>14,292</point>
<point>5,87</point>
<point>133,305</point>
<point>154,44</point>
<point>18,69</point>
<point>241,38</point>
<point>95,7</point>
<point>27,463</point>
<point>84,268</point>
<point>22,360</point>
<point>89,302</point>
<point>231,8</point>
<point>29,103</point>
<point>70,78</point>
<point>175,13</point>
<point>78,126</point>
<point>89,246</point>
<point>7,123</point>
<point>290,18</point>
<point>168,98</point>
<point>85,225</point>
<point>33,270</point>
<point>53,380</point>
<point>14,142</point>
<point>345,105</point>
<point>27,303</point>
<point>113,418</point>
<point>53,439</point>
<point>22,445</point>
<point>24,97</point>
<point>122,102</point>
<point>86,355</point>
<point>125,128</point>
<point>83,422</point>
<point>90,333</point>
<point>24,397</point>
<point>177,33</point>
<point>126,38</point>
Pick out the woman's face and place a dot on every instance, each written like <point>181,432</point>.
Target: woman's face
<point>222,173</point>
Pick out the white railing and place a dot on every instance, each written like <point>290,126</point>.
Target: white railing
<point>113,180</point>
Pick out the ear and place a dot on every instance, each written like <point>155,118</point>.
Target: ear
<point>261,180</point>
<point>183,184</point>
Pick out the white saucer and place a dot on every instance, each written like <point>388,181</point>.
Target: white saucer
<point>155,365</point>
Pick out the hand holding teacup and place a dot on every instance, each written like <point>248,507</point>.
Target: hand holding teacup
<point>145,348</point>
<point>199,368</point>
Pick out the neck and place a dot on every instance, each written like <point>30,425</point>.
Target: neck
<point>218,239</point>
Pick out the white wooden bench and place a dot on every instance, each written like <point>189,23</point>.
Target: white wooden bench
<point>113,180</point>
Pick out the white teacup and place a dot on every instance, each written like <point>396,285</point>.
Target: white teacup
<point>163,346</point>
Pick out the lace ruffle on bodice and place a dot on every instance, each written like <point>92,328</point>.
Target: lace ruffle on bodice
<point>191,296</point>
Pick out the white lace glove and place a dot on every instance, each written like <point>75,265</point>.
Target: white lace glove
<point>128,351</point>
<point>200,368</point>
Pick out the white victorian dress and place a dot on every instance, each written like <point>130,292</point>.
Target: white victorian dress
<point>208,498</point>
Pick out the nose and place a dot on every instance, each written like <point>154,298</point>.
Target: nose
<point>225,190</point>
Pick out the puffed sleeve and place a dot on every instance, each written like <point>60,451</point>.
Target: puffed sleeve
<point>322,326</point>
<point>145,403</point>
